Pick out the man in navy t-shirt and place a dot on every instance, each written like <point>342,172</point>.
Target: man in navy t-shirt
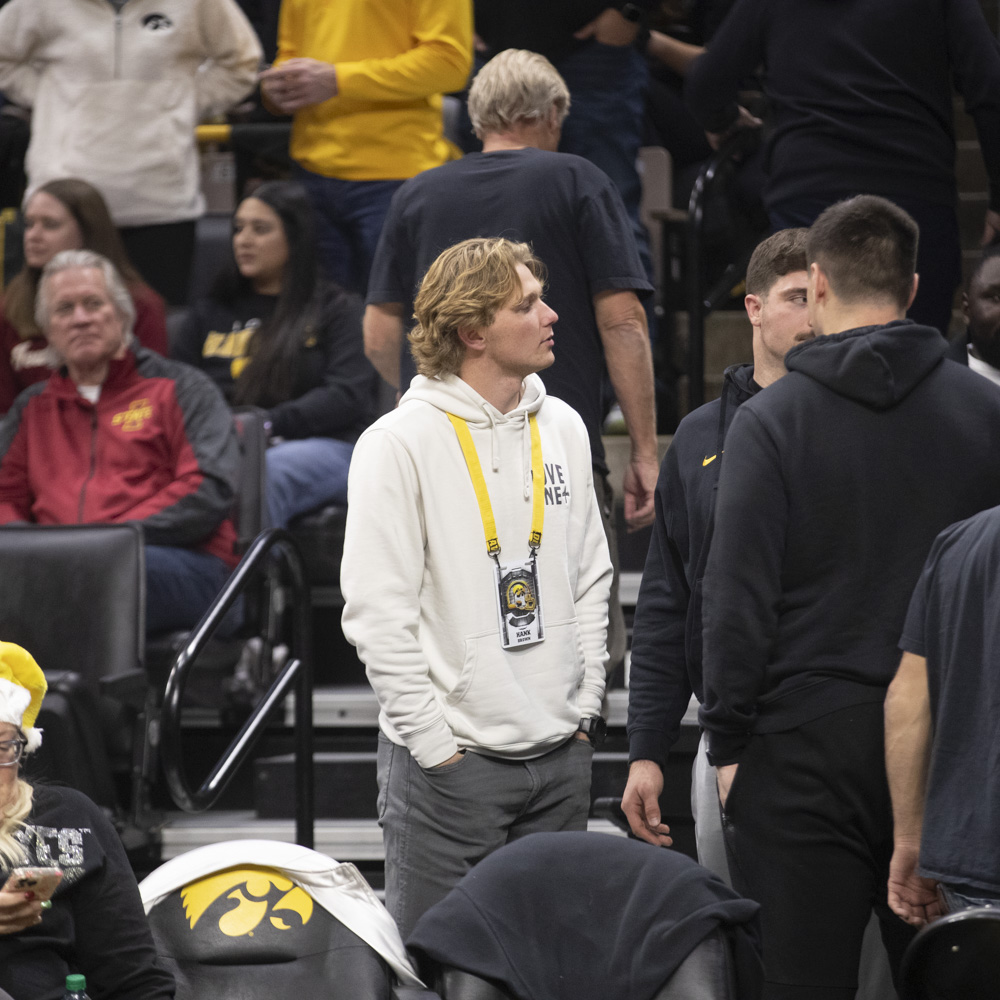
<point>941,734</point>
<point>570,213</point>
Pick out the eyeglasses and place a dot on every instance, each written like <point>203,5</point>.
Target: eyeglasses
<point>10,752</point>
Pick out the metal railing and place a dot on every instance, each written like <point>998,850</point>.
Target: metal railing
<point>278,547</point>
<point>701,300</point>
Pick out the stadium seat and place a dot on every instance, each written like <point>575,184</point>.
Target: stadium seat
<point>954,958</point>
<point>75,596</point>
<point>260,919</point>
<point>589,915</point>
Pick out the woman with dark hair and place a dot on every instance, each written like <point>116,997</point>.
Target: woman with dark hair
<point>272,334</point>
<point>65,214</point>
<point>94,922</point>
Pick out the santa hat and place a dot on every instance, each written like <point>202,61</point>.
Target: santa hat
<point>22,688</point>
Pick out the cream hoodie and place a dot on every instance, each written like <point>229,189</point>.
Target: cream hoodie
<point>420,588</point>
<point>115,97</point>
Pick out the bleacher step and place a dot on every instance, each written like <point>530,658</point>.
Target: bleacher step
<point>345,783</point>
<point>358,840</point>
<point>355,707</point>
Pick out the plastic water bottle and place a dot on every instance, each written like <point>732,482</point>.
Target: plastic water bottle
<point>76,988</point>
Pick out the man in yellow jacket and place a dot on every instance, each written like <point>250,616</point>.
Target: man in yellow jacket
<point>364,82</point>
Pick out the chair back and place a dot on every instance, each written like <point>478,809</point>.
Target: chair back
<point>249,932</point>
<point>955,958</point>
<point>250,515</point>
<point>706,974</point>
<point>75,596</point>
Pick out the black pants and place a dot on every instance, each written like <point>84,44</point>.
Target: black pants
<point>808,827</point>
<point>162,255</point>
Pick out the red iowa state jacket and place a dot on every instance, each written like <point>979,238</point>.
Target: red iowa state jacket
<point>159,447</point>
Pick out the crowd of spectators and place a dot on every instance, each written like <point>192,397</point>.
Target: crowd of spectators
<point>795,558</point>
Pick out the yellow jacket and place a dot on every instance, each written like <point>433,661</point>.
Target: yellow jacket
<point>394,60</point>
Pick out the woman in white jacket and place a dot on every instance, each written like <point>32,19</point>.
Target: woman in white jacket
<point>116,88</point>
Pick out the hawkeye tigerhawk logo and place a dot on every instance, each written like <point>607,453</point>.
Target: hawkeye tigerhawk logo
<point>132,419</point>
<point>258,893</point>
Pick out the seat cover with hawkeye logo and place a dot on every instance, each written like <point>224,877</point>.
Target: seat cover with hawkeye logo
<point>277,908</point>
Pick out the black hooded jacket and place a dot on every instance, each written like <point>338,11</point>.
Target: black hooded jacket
<point>835,485</point>
<point>666,635</point>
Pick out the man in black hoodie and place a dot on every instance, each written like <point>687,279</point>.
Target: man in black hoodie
<point>835,485</point>
<point>666,636</point>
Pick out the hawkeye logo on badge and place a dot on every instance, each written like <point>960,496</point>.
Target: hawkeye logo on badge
<point>520,606</point>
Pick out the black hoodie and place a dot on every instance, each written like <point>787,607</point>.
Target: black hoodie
<point>666,636</point>
<point>835,484</point>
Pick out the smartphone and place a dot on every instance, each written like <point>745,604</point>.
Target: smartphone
<point>41,881</point>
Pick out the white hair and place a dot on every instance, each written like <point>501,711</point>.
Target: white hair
<point>516,86</point>
<point>72,260</point>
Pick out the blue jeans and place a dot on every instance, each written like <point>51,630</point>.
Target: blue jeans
<point>180,585</point>
<point>349,217</point>
<point>939,252</point>
<point>304,474</point>
<point>607,84</point>
<point>958,901</point>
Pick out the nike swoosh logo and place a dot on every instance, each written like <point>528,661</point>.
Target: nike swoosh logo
<point>708,461</point>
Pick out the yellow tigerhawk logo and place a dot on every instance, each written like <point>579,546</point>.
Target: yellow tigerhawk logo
<point>252,890</point>
<point>132,419</point>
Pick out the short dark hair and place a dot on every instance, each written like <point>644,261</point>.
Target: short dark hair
<point>992,251</point>
<point>778,255</point>
<point>867,247</point>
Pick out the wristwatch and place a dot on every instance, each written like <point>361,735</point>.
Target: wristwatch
<point>594,728</point>
<point>631,12</point>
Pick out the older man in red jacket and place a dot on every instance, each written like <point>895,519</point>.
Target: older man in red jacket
<point>120,434</point>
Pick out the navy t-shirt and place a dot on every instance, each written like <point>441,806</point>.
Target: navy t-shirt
<point>574,219</point>
<point>954,622</point>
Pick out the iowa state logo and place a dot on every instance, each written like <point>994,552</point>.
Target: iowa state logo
<point>252,897</point>
<point>134,418</point>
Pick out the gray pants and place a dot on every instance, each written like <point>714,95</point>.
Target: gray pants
<point>437,824</point>
<point>707,817</point>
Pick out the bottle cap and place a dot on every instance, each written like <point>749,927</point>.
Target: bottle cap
<point>76,983</point>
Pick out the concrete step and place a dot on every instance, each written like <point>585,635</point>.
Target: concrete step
<point>357,840</point>
<point>355,707</point>
<point>346,783</point>
<point>728,340</point>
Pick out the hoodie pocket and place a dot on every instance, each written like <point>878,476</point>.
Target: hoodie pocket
<point>521,689</point>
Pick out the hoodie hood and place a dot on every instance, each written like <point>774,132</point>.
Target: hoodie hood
<point>874,365</point>
<point>737,387</point>
<point>451,395</point>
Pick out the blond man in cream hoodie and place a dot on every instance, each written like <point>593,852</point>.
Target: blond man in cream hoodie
<point>476,575</point>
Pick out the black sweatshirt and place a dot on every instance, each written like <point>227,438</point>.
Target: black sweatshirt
<point>544,26</point>
<point>860,93</point>
<point>666,635</point>
<point>587,916</point>
<point>333,383</point>
<point>835,484</point>
<point>96,925</point>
